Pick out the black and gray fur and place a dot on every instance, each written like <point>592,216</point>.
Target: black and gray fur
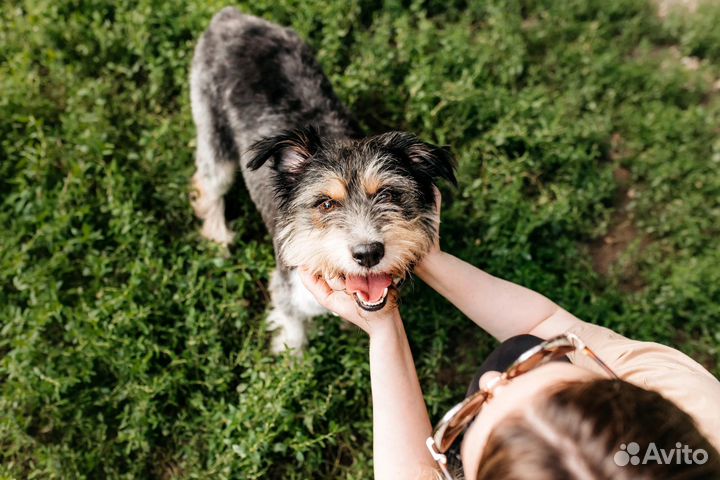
<point>331,199</point>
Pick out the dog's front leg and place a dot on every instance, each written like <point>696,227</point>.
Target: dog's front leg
<point>292,307</point>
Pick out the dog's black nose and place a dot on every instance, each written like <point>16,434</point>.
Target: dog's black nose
<point>368,254</point>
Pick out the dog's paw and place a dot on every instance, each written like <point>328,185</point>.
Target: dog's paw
<point>215,229</point>
<point>280,343</point>
<point>288,333</point>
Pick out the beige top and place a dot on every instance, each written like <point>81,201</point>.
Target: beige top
<point>656,367</point>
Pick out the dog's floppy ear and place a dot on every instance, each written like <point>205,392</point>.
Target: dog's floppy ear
<point>435,162</point>
<point>289,151</point>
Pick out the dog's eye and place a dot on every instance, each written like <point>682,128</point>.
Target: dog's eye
<point>384,196</point>
<point>327,205</point>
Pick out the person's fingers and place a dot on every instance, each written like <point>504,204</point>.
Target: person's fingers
<point>315,285</point>
<point>438,203</point>
<point>336,302</point>
<point>336,283</point>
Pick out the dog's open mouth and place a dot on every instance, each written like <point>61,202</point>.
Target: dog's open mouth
<point>370,291</point>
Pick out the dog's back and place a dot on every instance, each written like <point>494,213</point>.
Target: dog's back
<point>252,79</point>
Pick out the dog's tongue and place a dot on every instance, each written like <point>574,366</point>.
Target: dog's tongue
<point>370,288</point>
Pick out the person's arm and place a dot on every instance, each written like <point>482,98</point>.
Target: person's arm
<point>499,307</point>
<point>400,419</point>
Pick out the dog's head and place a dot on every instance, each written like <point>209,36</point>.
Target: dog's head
<point>358,212</point>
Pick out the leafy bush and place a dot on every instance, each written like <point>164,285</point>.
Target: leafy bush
<point>131,348</point>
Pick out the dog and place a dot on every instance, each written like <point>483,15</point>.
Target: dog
<point>360,211</point>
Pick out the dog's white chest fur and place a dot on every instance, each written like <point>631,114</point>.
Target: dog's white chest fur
<point>293,305</point>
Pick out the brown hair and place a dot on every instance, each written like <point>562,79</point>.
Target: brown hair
<point>576,432</point>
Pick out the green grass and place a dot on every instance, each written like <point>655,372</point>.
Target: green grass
<point>131,348</point>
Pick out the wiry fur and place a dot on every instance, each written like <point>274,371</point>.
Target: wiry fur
<point>261,101</point>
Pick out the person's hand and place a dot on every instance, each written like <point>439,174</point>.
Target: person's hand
<point>342,304</point>
<point>434,255</point>
<point>438,204</point>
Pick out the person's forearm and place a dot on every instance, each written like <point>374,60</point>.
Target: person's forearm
<point>501,308</point>
<point>400,418</point>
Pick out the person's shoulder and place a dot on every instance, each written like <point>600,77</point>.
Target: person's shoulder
<point>656,367</point>
<point>630,357</point>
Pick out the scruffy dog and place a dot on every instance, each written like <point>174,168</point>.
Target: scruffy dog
<point>357,210</point>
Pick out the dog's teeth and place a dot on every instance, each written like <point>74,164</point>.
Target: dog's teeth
<point>371,304</point>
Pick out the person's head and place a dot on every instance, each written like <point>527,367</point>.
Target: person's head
<point>544,419</point>
<point>563,422</point>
